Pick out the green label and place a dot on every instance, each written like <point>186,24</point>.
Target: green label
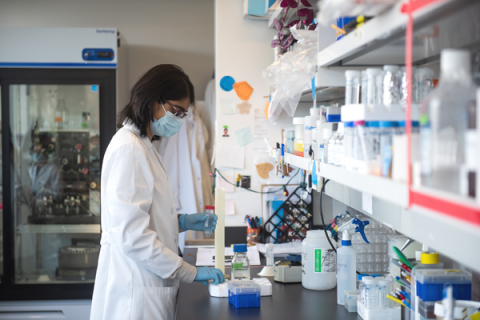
<point>238,265</point>
<point>317,260</point>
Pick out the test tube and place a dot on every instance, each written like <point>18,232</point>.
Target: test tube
<point>270,254</point>
<point>209,210</point>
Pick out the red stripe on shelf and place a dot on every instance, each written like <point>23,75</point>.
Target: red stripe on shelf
<point>452,209</point>
<point>413,6</point>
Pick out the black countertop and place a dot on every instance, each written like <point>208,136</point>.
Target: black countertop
<point>289,301</point>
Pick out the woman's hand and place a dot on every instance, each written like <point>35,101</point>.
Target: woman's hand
<point>206,273</point>
<point>196,221</point>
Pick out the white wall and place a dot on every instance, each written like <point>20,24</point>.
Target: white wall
<point>242,50</point>
<point>156,31</point>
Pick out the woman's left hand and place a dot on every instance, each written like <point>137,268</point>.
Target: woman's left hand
<point>196,221</point>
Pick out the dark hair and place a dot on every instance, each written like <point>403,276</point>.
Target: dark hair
<point>161,83</point>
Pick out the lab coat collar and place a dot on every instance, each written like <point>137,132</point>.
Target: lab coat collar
<point>128,124</point>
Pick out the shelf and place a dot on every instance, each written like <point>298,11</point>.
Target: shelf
<point>324,94</point>
<point>58,228</point>
<point>442,233</point>
<point>382,39</point>
<point>379,187</point>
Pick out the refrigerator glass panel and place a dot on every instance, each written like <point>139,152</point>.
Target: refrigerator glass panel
<point>56,173</point>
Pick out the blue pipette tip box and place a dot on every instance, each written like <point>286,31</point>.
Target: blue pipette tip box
<point>244,294</point>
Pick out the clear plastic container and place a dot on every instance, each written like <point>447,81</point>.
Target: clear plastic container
<point>310,123</point>
<point>240,262</point>
<point>423,84</point>
<point>348,142</point>
<point>290,141</point>
<point>372,90</point>
<point>390,84</point>
<point>210,211</point>
<point>331,149</point>
<point>364,89</point>
<point>372,129</point>
<point>327,134</point>
<point>444,120</point>
<point>387,130</point>
<point>270,251</point>
<point>352,87</point>
<point>351,299</point>
<point>370,287</point>
<point>384,288</point>
<point>339,150</point>
<point>298,148</point>
<point>360,147</point>
<point>319,263</point>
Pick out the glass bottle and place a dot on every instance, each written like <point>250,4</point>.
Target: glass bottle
<point>240,263</point>
<point>61,115</point>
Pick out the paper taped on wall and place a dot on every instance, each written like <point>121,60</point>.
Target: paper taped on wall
<point>230,156</point>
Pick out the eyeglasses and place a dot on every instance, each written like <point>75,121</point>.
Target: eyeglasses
<point>178,111</point>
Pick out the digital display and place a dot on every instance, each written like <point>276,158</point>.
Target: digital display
<point>104,54</point>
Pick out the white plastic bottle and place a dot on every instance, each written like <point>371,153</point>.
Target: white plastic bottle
<point>346,267</point>
<point>319,263</point>
<point>331,149</point>
<point>327,133</point>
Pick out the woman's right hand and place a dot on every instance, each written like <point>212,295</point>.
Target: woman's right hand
<point>206,273</point>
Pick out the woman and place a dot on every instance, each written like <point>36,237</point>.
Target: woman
<point>139,269</point>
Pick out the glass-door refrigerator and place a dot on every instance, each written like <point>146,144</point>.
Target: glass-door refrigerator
<point>58,114</point>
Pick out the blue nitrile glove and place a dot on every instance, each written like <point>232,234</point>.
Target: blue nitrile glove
<point>206,273</point>
<point>196,221</point>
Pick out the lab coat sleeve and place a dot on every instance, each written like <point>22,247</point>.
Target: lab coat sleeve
<point>129,197</point>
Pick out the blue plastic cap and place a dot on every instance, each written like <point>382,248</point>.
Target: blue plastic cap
<point>346,243</point>
<point>388,124</point>
<point>348,124</point>
<point>241,247</point>
<point>373,124</point>
<point>415,124</point>
<point>376,275</point>
<point>360,276</point>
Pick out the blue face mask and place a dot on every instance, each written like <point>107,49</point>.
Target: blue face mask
<point>167,126</point>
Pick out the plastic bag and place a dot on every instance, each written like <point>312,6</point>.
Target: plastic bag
<point>292,74</point>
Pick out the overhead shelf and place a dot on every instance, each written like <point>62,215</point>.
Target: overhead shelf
<point>381,40</point>
<point>324,94</point>
<point>58,228</point>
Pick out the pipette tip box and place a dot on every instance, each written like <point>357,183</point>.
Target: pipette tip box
<point>244,294</point>
<point>221,290</point>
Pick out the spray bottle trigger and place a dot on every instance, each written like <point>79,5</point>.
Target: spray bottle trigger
<point>361,227</point>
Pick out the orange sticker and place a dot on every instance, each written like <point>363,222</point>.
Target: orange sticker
<point>267,105</point>
<point>243,90</point>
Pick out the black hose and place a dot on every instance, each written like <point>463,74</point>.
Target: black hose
<point>321,214</point>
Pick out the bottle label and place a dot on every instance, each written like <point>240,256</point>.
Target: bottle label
<point>237,265</point>
<point>324,260</point>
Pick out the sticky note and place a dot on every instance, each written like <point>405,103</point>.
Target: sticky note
<point>244,136</point>
<point>228,105</point>
<point>267,106</point>
<point>230,156</point>
<point>226,83</point>
<point>244,107</point>
<point>243,90</point>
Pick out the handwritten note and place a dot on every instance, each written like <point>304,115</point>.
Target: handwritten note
<point>261,131</point>
<point>367,202</point>
<point>230,156</point>
<point>244,136</point>
<point>228,105</point>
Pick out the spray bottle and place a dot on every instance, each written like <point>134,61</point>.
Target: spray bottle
<point>347,258</point>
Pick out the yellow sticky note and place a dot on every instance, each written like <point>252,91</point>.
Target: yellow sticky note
<point>243,90</point>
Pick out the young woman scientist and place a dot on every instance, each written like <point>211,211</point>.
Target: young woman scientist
<point>139,269</point>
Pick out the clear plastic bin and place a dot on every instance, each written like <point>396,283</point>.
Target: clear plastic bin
<point>351,298</point>
<point>244,294</point>
<point>379,314</point>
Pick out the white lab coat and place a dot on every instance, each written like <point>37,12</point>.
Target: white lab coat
<point>187,165</point>
<point>138,270</point>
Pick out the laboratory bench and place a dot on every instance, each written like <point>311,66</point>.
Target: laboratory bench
<point>289,301</point>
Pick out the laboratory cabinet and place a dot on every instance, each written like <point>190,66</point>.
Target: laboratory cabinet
<point>56,125</point>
